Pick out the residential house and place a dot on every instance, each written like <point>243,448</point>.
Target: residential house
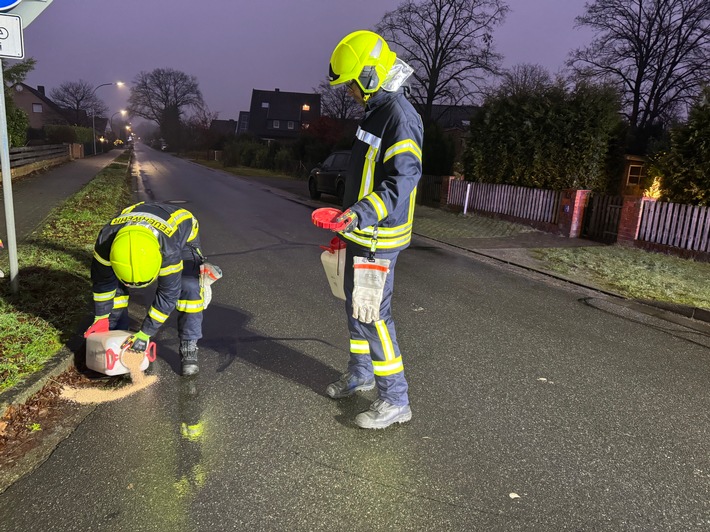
<point>455,121</point>
<point>279,115</point>
<point>243,122</point>
<point>40,110</point>
<point>223,128</point>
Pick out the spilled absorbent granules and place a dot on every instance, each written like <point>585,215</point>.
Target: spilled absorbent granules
<point>132,360</point>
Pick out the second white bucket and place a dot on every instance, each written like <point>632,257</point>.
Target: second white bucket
<point>333,259</point>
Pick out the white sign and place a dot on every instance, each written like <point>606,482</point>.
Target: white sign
<point>11,46</point>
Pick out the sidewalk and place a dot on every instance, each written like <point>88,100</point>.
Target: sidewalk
<point>34,196</point>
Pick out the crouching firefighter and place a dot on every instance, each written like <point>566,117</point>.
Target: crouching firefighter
<point>145,242</point>
<point>380,188</point>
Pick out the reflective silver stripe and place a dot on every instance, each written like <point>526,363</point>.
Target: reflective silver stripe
<point>378,204</point>
<point>157,315</point>
<point>169,270</point>
<point>403,146</point>
<point>101,260</point>
<point>368,138</point>
<point>190,306</point>
<point>104,296</point>
<point>359,346</point>
<point>120,302</point>
<point>151,221</point>
<point>384,334</point>
<point>384,368</point>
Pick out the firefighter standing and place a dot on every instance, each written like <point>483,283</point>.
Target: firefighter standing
<point>145,242</point>
<point>380,189</point>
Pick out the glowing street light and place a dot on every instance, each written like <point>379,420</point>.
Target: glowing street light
<point>123,113</point>
<point>93,111</point>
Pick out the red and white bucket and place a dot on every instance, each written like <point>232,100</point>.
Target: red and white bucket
<point>103,353</point>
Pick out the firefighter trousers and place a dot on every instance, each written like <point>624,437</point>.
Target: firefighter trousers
<point>373,346</point>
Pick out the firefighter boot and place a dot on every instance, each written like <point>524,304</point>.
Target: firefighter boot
<point>382,414</point>
<point>188,355</point>
<point>347,385</point>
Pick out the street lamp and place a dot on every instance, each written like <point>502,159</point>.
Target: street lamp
<point>93,110</point>
<point>123,113</point>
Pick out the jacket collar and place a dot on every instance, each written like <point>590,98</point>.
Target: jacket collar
<point>380,98</point>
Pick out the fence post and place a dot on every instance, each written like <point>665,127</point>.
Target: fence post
<point>572,204</point>
<point>630,220</point>
<point>468,193</point>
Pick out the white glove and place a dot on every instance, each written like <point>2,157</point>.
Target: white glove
<point>369,284</point>
<point>209,273</point>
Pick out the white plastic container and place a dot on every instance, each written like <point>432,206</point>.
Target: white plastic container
<point>103,353</point>
<point>333,259</point>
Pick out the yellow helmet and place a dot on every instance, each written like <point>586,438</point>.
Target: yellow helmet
<point>135,255</point>
<point>362,56</point>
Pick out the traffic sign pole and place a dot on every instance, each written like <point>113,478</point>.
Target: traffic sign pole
<point>7,188</point>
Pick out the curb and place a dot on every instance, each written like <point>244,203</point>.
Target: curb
<point>19,394</point>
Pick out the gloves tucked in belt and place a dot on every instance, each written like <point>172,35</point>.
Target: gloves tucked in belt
<point>100,325</point>
<point>137,342</point>
<point>370,277</point>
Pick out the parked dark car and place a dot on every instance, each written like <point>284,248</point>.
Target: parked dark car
<point>328,177</point>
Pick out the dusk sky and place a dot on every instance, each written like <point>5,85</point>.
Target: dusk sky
<point>234,46</point>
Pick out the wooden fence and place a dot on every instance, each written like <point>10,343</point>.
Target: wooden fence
<point>522,203</point>
<point>34,154</point>
<point>601,217</point>
<point>676,225</point>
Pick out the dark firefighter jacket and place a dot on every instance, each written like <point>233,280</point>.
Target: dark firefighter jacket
<point>175,229</point>
<point>385,167</point>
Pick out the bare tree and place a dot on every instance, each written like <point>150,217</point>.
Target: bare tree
<point>162,94</point>
<point>656,51</point>
<point>335,102</point>
<point>78,96</point>
<point>525,78</point>
<point>449,45</point>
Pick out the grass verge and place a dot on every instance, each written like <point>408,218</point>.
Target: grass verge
<point>634,273</point>
<point>54,284</point>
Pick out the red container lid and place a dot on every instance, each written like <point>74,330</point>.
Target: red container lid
<point>325,217</point>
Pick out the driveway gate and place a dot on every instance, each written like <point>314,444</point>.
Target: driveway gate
<point>601,218</point>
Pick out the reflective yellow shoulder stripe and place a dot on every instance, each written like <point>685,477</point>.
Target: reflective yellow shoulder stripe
<point>179,216</point>
<point>378,204</point>
<point>157,315</point>
<point>169,270</point>
<point>195,230</point>
<point>101,260</point>
<point>407,145</point>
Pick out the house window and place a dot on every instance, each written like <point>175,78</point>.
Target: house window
<point>36,107</point>
<point>465,123</point>
<point>636,173</point>
<point>306,107</point>
<point>264,105</point>
<point>290,124</point>
<point>276,124</point>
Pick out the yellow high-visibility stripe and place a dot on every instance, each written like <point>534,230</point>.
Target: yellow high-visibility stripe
<point>385,339</point>
<point>169,270</point>
<point>157,315</point>
<point>407,145</point>
<point>104,296</point>
<point>101,260</point>
<point>131,207</point>
<point>359,347</point>
<point>368,173</point>
<point>195,230</point>
<point>384,368</point>
<point>190,306</point>
<point>378,204</point>
<point>120,302</point>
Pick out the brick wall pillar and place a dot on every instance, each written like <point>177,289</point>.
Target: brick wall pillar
<point>572,207</point>
<point>630,220</point>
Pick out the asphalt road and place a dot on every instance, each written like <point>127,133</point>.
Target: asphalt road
<point>537,406</point>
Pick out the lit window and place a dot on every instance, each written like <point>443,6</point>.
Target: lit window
<point>465,123</point>
<point>264,105</point>
<point>306,107</point>
<point>636,173</point>
<point>36,107</point>
<point>290,124</point>
<point>276,124</point>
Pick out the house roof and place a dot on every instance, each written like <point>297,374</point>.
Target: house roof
<point>453,116</point>
<point>224,127</point>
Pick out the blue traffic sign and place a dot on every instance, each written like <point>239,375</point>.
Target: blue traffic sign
<point>8,4</point>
